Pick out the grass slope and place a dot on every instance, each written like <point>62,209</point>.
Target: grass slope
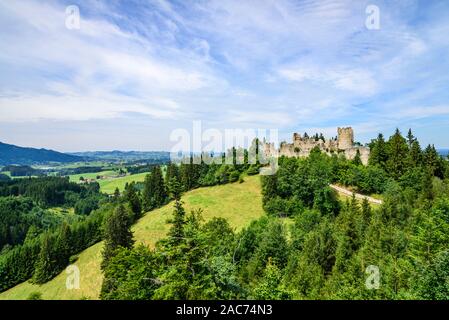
<point>239,203</point>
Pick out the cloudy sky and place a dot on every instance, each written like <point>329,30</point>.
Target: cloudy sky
<point>136,70</point>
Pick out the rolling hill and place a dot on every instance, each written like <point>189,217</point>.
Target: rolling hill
<point>153,157</point>
<point>11,154</point>
<point>239,203</point>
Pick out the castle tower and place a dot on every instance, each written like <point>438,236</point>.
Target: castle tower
<point>296,137</point>
<point>345,138</point>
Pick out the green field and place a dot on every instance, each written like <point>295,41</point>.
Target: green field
<point>109,185</point>
<point>239,203</point>
<point>110,181</point>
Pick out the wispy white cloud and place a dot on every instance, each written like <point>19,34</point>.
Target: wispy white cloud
<point>290,64</point>
<point>357,81</point>
<point>108,71</point>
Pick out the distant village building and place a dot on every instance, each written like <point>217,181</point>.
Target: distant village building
<point>301,146</point>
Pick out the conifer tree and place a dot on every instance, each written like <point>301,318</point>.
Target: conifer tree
<point>45,264</point>
<point>117,233</point>
<point>378,152</point>
<point>63,245</point>
<point>172,173</point>
<point>147,193</point>
<point>426,185</point>
<point>134,201</point>
<point>415,155</point>
<point>366,212</point>
<point>432,161</point>
<point>154,192</point>
<point>397,155</point>
<point>410,138</point>
<point>176,233</point>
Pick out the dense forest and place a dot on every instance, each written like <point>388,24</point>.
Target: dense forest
<point>34,239</point>
<point>327,252</point>
<point>36,244</point>
<point>311,244</point>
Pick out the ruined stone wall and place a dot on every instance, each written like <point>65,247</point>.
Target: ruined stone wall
<point>301,147</point>
<point>364,154</point>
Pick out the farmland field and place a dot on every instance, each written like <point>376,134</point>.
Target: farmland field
<point>108,185</point>
<point>93,175</point>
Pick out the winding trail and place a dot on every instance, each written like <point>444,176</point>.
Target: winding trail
<point>357,195</point>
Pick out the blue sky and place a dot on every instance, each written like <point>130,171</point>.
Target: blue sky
<point>136,70</point>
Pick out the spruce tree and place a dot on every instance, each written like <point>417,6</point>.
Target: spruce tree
<point>433,162</point>
<point>410,138</point>
<point>397,155</point>
<point>366,212</point>
<point>160,191</point>
<point>415,155</point>
<point>46,261</point>
<point>427,185</point>
<point>176,233</point>
<point>147,193</point>
<point>172,173</point>
<point>133,199</point>
<point>154,192</point>
<point>117,233</point>
<point>63,246</point>
<point>378,155</point>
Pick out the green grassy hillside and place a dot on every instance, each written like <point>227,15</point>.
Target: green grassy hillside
<point>239,203</point>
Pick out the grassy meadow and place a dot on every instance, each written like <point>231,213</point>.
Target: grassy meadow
<point>239,203</point>
<point>108,185</point>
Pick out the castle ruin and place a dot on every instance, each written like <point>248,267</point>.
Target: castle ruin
<point>302,145</point>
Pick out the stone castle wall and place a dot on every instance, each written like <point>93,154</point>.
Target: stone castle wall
<point>301,146</point>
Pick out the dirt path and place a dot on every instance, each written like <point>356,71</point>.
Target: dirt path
<point>357,195</point>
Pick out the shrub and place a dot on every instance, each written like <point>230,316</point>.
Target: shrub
<point>35,296</point>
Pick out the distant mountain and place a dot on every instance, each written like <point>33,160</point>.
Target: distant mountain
<point>128,156</point>
<point>11,154</point>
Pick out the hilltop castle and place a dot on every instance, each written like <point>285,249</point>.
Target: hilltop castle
<point>301,146</point>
